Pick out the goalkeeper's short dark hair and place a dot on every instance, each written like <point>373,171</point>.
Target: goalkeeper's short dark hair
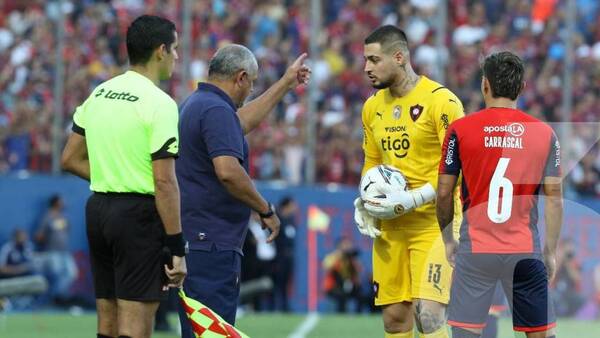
<point>505,72</point>
<point>391,38</point>
<point>145,34</point>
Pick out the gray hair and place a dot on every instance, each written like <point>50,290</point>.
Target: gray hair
<point>229,60</point>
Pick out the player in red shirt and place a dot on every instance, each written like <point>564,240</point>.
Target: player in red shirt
<point>506,158</point>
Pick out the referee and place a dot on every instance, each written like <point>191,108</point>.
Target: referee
<point>125,142</point>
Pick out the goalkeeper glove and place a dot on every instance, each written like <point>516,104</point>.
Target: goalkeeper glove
<point>366,224</point>
<point>398,203</point>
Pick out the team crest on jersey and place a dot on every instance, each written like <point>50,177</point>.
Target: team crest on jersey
<point>397,112</point>
<point>415,112</point>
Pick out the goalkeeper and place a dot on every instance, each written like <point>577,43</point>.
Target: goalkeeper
<point>404,126</point>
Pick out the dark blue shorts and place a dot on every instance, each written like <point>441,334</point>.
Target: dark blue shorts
<point>524,281</point>
<point>214,280</point>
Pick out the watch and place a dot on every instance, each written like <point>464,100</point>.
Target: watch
<point>269,213</point>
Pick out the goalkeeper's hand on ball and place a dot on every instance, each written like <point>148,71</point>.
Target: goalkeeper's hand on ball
<point>392,204</point>
<point>366,224</point>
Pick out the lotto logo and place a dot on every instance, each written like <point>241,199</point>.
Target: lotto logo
<point>124,96</point>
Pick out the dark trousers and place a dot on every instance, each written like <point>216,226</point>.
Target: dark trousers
<point>281,280</point>
<point>213,279</point>
<point>342,297</point>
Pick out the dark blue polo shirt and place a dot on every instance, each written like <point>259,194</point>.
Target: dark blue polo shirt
<point>209,127</point>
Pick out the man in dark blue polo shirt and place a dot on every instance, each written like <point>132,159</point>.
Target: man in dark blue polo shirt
<point>217,195</point>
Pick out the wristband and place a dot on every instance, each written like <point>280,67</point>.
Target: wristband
<point>269,213</point>
<point>176,244</point>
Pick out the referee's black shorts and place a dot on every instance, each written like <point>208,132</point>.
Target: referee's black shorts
<point>126,239</point>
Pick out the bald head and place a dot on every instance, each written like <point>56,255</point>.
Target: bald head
<point>231,59</point>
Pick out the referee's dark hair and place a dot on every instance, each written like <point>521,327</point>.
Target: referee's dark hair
<point>391,38</point>
<point>504,71</point>
<point>145,35</point>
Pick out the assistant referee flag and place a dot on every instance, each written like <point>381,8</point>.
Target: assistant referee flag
<point>205,323</point>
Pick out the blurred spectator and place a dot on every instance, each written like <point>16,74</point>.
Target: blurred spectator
<point>17,260</point>
<point>264,264</point>
<point>276,30</point>
<point>249,270</point>
<point>16,256</point>
<point>567,283</point>
<point>250,260</point>
<point>586,175</point>
<point>343,275</point>
<point>287,210</point>
<point>53,237</point>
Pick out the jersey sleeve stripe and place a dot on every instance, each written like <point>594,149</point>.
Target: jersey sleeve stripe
<point>450,161</point>
<point>164,151</point>
<point>77,129</point>
<point>553,167</point>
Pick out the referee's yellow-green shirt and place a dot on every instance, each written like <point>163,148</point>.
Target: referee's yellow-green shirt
<point>127,123</point>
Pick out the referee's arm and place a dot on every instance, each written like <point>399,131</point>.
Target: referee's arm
<point>167,194</point>
<point>163,151</point>
<point>74,158</point>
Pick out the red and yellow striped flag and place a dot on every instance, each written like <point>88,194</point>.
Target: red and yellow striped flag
<point>205,323</point>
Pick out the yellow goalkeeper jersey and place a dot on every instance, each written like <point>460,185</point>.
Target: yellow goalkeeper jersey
<point>407,132</point>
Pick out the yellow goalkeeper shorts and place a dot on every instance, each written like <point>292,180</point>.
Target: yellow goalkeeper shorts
<point>410,262</point>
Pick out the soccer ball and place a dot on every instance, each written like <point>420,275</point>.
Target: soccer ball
<point>381,179</point>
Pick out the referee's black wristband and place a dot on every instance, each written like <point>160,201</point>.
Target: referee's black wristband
<point>176,244</point>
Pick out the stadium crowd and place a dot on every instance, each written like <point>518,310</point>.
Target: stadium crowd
<point>278,30</point>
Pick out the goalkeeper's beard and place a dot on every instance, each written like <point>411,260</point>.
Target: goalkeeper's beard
<point>383,84</point>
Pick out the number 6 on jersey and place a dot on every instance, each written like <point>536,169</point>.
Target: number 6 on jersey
<point>501,189</point>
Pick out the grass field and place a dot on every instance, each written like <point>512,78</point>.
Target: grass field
<point>59,325</point>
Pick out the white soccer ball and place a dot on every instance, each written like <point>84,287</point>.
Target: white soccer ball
<point>380,180</point>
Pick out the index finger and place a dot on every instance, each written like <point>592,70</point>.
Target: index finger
<point>173,272</point>
<point>169,271</point>
<point>300,60</point>
<point>273,235</point>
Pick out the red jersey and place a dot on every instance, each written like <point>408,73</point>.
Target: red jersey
<point>503,154</point>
